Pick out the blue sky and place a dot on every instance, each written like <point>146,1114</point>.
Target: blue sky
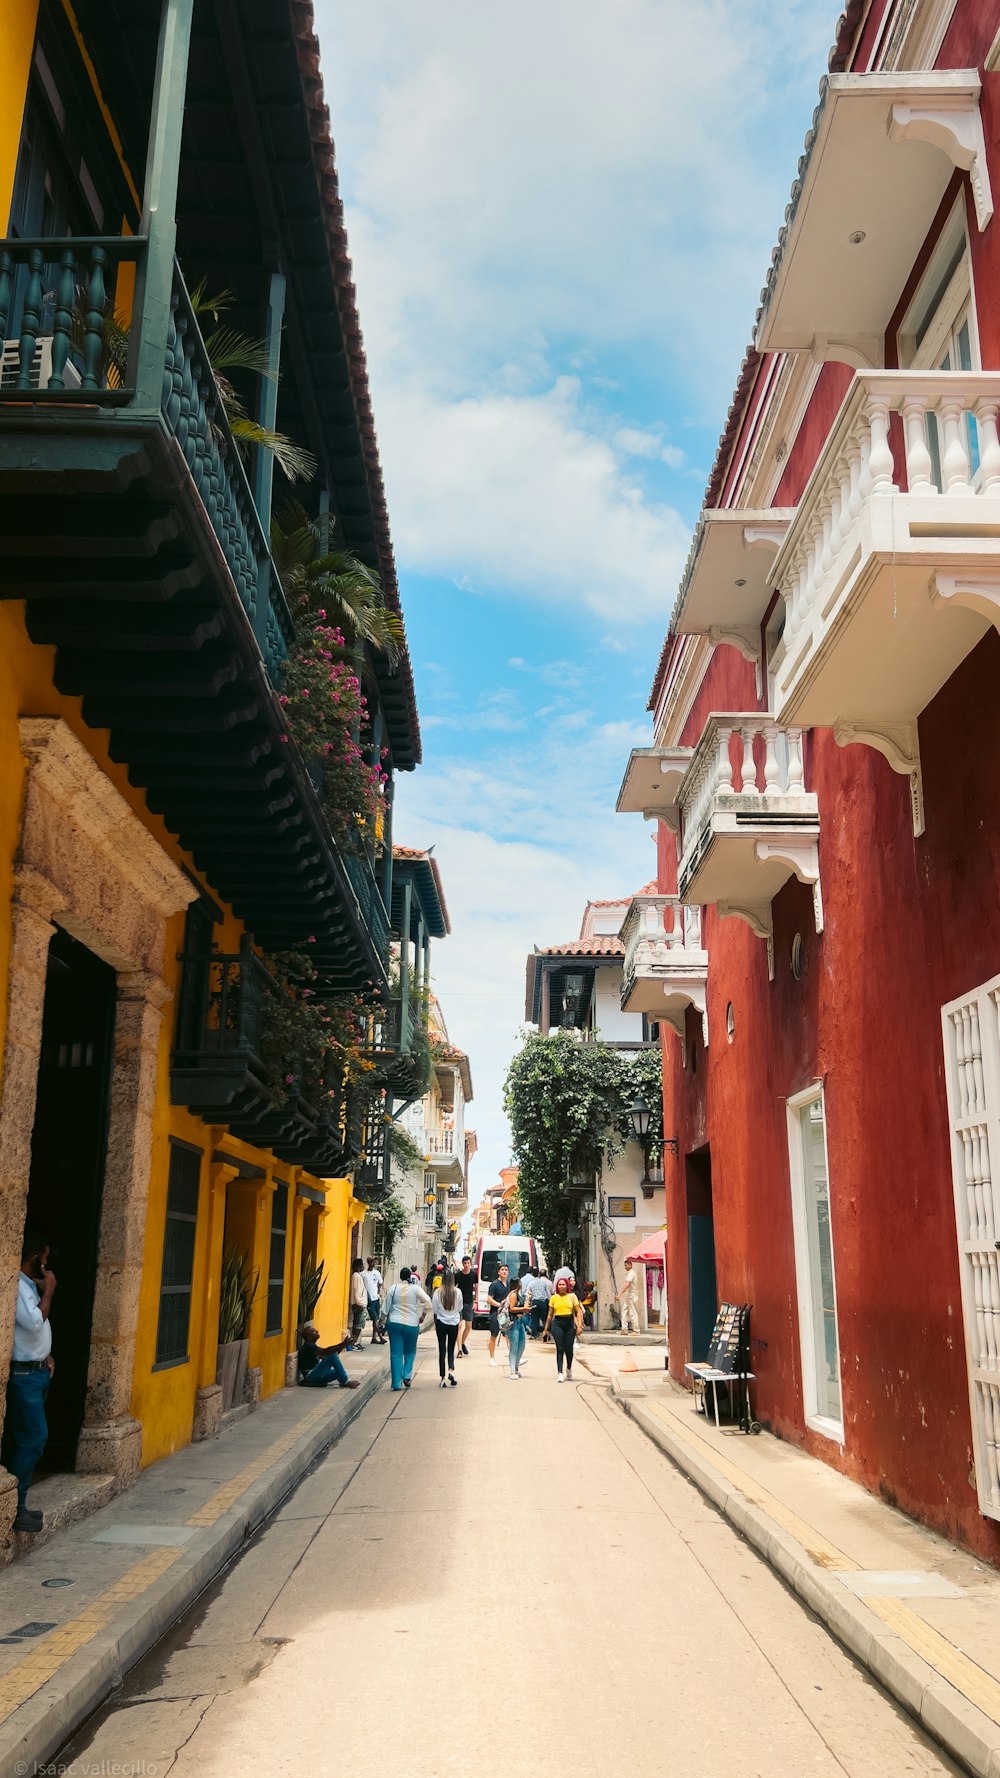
<point>560,213</point>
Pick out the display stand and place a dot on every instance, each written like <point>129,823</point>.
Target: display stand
<point>728,1362</point>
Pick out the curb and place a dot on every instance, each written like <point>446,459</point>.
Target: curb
<point>42,1725</point>
<point>962,1729</point>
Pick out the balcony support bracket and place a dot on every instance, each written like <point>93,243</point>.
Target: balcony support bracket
<point>695,995</point>
<point>757,916</point>
<point>957,129</point>
<point>745,639</point>
<point>803,857</point>
<point>898,743</point>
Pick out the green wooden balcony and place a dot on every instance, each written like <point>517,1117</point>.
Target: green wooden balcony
<point>128,527</point>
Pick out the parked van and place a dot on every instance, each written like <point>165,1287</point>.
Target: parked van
<point>495,1251</point>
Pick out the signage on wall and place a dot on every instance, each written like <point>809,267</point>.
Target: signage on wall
<point>621,1206</point>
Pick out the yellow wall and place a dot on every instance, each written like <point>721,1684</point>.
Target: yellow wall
<point>20,18</point>
<point>164,1400</point>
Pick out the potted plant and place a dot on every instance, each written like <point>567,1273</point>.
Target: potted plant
<point>311,1283</point>
<point>237,1291</point>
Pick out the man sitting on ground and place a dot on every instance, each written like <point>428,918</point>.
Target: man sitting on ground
<point>319,1365</point>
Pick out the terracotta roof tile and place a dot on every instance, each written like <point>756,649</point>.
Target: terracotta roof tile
<point>585,947</point>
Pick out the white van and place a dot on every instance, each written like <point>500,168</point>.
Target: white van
<point>494,1251</point>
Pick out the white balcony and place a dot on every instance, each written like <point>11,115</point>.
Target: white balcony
<point>445,1152</point>
<point>891,571</point>
<point>877,163</point>
<point>747,821</point>
<point>652,781</point>
<point>666,964</point>
<point>727,582</point>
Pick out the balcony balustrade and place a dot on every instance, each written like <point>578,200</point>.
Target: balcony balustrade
<point>129,529</point>
<point>890,573</point>
<point>666,963</point>
<point>221,1068</point>
<point>446,1150</point>
<point>747,821</point>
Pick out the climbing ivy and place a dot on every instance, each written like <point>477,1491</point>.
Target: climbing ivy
<point>568,1103</point>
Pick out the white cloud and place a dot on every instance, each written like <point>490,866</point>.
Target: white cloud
<point>518,492</point>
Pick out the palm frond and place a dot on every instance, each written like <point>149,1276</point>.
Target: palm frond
<point>297,463</point>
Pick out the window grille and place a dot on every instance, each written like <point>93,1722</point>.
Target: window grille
<point>276,1264</point>
<point>178,1254</point>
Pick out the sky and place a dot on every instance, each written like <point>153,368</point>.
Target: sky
<point>560,213</point>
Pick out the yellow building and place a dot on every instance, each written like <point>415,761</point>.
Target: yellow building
<point>170,845</point>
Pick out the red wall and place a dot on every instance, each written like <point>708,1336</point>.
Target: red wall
<point>909,924</point>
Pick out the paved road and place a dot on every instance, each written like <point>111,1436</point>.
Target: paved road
<point>498,1577</point>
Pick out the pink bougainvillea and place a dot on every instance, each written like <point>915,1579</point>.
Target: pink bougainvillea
<point>327,716</point>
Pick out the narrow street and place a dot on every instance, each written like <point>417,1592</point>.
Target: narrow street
<point>491,1579</point>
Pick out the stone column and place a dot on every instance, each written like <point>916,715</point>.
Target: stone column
<point>208,1396</point>
<point>111,1440</point>
<point>34,902</point>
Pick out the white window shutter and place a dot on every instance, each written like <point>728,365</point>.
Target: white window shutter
<point>972,1069</point>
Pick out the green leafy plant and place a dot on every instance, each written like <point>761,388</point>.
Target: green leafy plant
<point>392,1219</point>
<point>312,1043</point>
<point>331,584</point>
<point>237,1291</point>
<point>568,1103</point>
<point>326,714</point>
<point>311,1285</point>
<point>407,1155</point>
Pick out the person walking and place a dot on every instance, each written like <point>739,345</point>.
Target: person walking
<point>465,1281</point>
<point>406,1306</point>
<point>446,1304</point>
<point>498,1294</point>
<point>373,1285</point>
<point>358,1303</point>
<point>628,1300</point>
<point>526,1286</point>
<point>565,1318</point>
<point>541,1290</point>
<point>518,1308</point>
<point>31,1368</point>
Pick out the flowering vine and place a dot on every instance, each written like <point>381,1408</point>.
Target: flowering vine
<point>326,714</point>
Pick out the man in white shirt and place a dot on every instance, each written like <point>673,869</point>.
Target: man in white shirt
<point>373,1285</point>
<point>628,1300</point>
<point>31,1370</point>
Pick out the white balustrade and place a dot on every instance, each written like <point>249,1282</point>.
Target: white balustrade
<point>776,757</point>
<point>948,447</point>
<point>650,942</point>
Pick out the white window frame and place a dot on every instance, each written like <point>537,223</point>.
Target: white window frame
<point>817,1422</point>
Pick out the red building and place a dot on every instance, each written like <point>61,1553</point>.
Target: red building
<point>826,778</point>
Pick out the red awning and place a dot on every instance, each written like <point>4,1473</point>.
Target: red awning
<point>651,1251</point>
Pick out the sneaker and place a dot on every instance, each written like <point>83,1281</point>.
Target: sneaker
<point>453,1380</point>
<point>406,1382</point>
<point>27,1519</point>
<point>493,1363</point>
<point>559,1376</point>
<point>443,1383</point>
<point>569,1376</point>
<point>465,1351</point>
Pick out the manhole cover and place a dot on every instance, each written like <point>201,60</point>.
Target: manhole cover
<point>23,1631</point>
<point>59,1581</point>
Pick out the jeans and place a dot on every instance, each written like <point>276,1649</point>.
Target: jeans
<point>27,1429</point>
<point>446,1339</point>
<point>538,1314</point>
<point>323,1372</point>
<point>517,1338</point>
<point>564,1335</point>
<point>402,1351</point>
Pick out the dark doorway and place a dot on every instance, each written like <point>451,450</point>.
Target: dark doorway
<point>68,1154</point>
<point>701,1251</point>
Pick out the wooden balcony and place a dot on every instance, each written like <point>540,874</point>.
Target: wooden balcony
<point>891,571</point>
<point>747,821</point>
<point>128,527</point>
<point>666,963</point>
<point>223,1068</point>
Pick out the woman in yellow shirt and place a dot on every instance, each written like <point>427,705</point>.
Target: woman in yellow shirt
<point>565,1318</point>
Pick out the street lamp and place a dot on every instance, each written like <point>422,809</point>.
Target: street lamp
<point>641,1115</point>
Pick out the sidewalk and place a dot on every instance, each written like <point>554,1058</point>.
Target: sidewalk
<point>76,1613</point>
<point>921,1614</point>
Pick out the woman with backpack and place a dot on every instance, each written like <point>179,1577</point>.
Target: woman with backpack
<point>447,1306</point>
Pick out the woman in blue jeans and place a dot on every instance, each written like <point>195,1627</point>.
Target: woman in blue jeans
<point>519,1312</point>
<point>405,1307</point>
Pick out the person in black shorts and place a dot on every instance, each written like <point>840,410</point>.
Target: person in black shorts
<point>499,1295</point>
<point>465,1280</point>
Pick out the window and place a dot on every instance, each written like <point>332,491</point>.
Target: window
<point>939,332</point>
<point>971,1029</point>
<point>430,1215</point>
<point>276,1263</point>
<point>816,1282</point>
<point>178,1254</point>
